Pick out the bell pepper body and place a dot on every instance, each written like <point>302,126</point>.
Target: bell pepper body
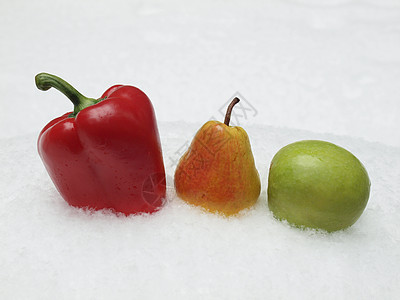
<point>108,155</point>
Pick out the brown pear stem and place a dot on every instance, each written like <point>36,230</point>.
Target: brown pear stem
<point>229,110</point>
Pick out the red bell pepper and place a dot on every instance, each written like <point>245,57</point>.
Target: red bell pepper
<point>107,153</point>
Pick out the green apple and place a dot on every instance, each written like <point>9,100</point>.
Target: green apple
<point>317,184</point>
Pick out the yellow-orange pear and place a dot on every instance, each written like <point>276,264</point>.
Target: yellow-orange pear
<point>218,171</point>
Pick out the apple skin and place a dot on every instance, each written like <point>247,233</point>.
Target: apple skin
<point>317,184</point>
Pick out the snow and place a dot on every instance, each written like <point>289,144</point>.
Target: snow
<point>50,249</point>
<point>304,70</point>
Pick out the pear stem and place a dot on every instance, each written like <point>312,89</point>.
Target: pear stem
<point>229,110</point>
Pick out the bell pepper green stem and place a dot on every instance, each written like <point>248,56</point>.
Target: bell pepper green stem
<point>45,81</point>
<point>229,110</point>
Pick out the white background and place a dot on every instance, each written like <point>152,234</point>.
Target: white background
<point>325,66</point>
<point>309,69</point>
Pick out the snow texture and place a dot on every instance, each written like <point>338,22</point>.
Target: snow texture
<point>49,249</point>
<point>304,69</point>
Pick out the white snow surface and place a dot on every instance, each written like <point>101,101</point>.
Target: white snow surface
<point>51,250</point>
<point>304,69</point>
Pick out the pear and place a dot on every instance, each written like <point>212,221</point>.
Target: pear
<point>218,172</point>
